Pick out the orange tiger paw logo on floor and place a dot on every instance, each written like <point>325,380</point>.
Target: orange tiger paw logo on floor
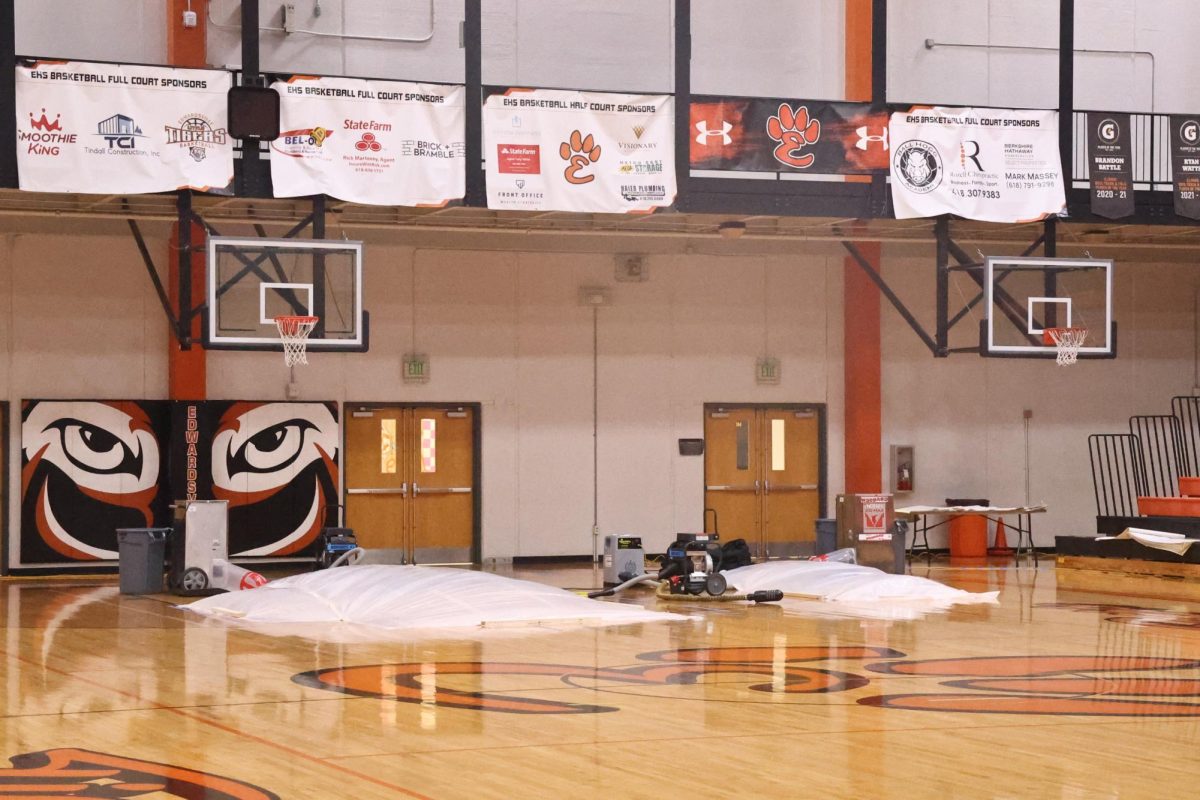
<point>580,152</point>
<point>794,131</point>
<point>70,772</point>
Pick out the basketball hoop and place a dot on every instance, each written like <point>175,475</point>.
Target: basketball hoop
<point>1068,341</point>
<point>293,332</point>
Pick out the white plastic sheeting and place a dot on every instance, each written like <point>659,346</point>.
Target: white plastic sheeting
<point>406,597</point>
<point>848,583</point>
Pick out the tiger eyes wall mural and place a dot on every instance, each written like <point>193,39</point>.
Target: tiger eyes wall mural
<point>90,467</point>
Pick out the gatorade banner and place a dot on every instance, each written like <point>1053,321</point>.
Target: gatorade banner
<point>372,142</point>
<point>121,129</point>
<point>988,164</point>
<point>549,150</point>
<point>1185,165</point>
<point>765,135</point>
<point>1110,156</point>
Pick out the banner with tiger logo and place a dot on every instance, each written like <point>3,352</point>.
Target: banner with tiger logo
<point>552,150</point>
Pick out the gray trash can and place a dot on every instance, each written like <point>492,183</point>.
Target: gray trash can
<point>826,536</point>
<point>141,555</point>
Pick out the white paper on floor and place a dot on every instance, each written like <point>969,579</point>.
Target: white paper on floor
<point>848,583</point>
<point>1175,543</point>
<point>397,598</point>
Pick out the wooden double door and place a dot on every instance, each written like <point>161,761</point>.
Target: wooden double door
<point>411,481</point>
<point>764,476</point>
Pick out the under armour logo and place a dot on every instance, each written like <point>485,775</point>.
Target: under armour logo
<point>706,132</point>
<point>864,138</point>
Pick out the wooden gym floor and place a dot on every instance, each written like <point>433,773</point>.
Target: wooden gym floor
<point>1056,692</point>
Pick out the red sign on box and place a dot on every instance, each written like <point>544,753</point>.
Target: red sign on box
<point>519,159</point>
<point>874,513</point>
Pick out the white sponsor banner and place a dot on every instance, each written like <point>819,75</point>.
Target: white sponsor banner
<point>550,150</point>
<point>994,165</point>
<point>121,129</point>
<point>373,142</point>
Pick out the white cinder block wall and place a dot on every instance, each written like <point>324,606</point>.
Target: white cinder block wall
<point>504,328</point>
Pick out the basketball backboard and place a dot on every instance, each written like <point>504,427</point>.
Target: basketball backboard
<point>1024,297</point>
<point>253,280</point>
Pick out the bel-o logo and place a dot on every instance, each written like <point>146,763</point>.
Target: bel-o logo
<point>1109,131</point>
<point>1189,132</point>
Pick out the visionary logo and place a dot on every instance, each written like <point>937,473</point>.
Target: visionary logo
<point>119,132</point>
<point>638,130</point>
<point>865,137</point>
<point>302,142</point>
<point>1109,131</point>
<point>197,134</point>
<point>794,131</point>
<point>43,122</point>
<point>368,143</point>
<point>706,132</point>
<point>579,152</point>
<point>918,166</point>
<point>1189,132</point>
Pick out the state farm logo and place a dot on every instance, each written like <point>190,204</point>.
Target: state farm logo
<point>520,159</point>
<point>197,134</point>
<point>706,132</point>
<point>45,135</point>
<point>302,142</point>
<point>367,142</point>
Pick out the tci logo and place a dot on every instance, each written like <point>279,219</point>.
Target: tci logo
<point>1109,131</point>
<point>706,132</point>
<point>119,132</point>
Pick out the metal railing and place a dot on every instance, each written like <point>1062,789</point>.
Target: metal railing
<point>1117,474</point>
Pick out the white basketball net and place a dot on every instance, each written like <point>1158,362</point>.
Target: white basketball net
<point>294,331</point>
<point>1068,341</point>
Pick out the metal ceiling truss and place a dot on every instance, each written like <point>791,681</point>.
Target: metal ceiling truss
<point>938,341</point>
<point>181,314</point>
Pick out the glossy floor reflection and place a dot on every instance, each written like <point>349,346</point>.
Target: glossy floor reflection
<point>1056,692</point>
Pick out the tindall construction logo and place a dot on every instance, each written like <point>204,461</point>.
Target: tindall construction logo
<point>302,142</point>
<point>918,166</point>
<point>197,134</point>
<point>45,135</point>
<point>119,132</point>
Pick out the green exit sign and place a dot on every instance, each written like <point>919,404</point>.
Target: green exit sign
<point>766,371</point>
<point>416,368</point>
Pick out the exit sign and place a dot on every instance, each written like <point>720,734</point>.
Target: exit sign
<point>416,368</point>
<point>766,371</point>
